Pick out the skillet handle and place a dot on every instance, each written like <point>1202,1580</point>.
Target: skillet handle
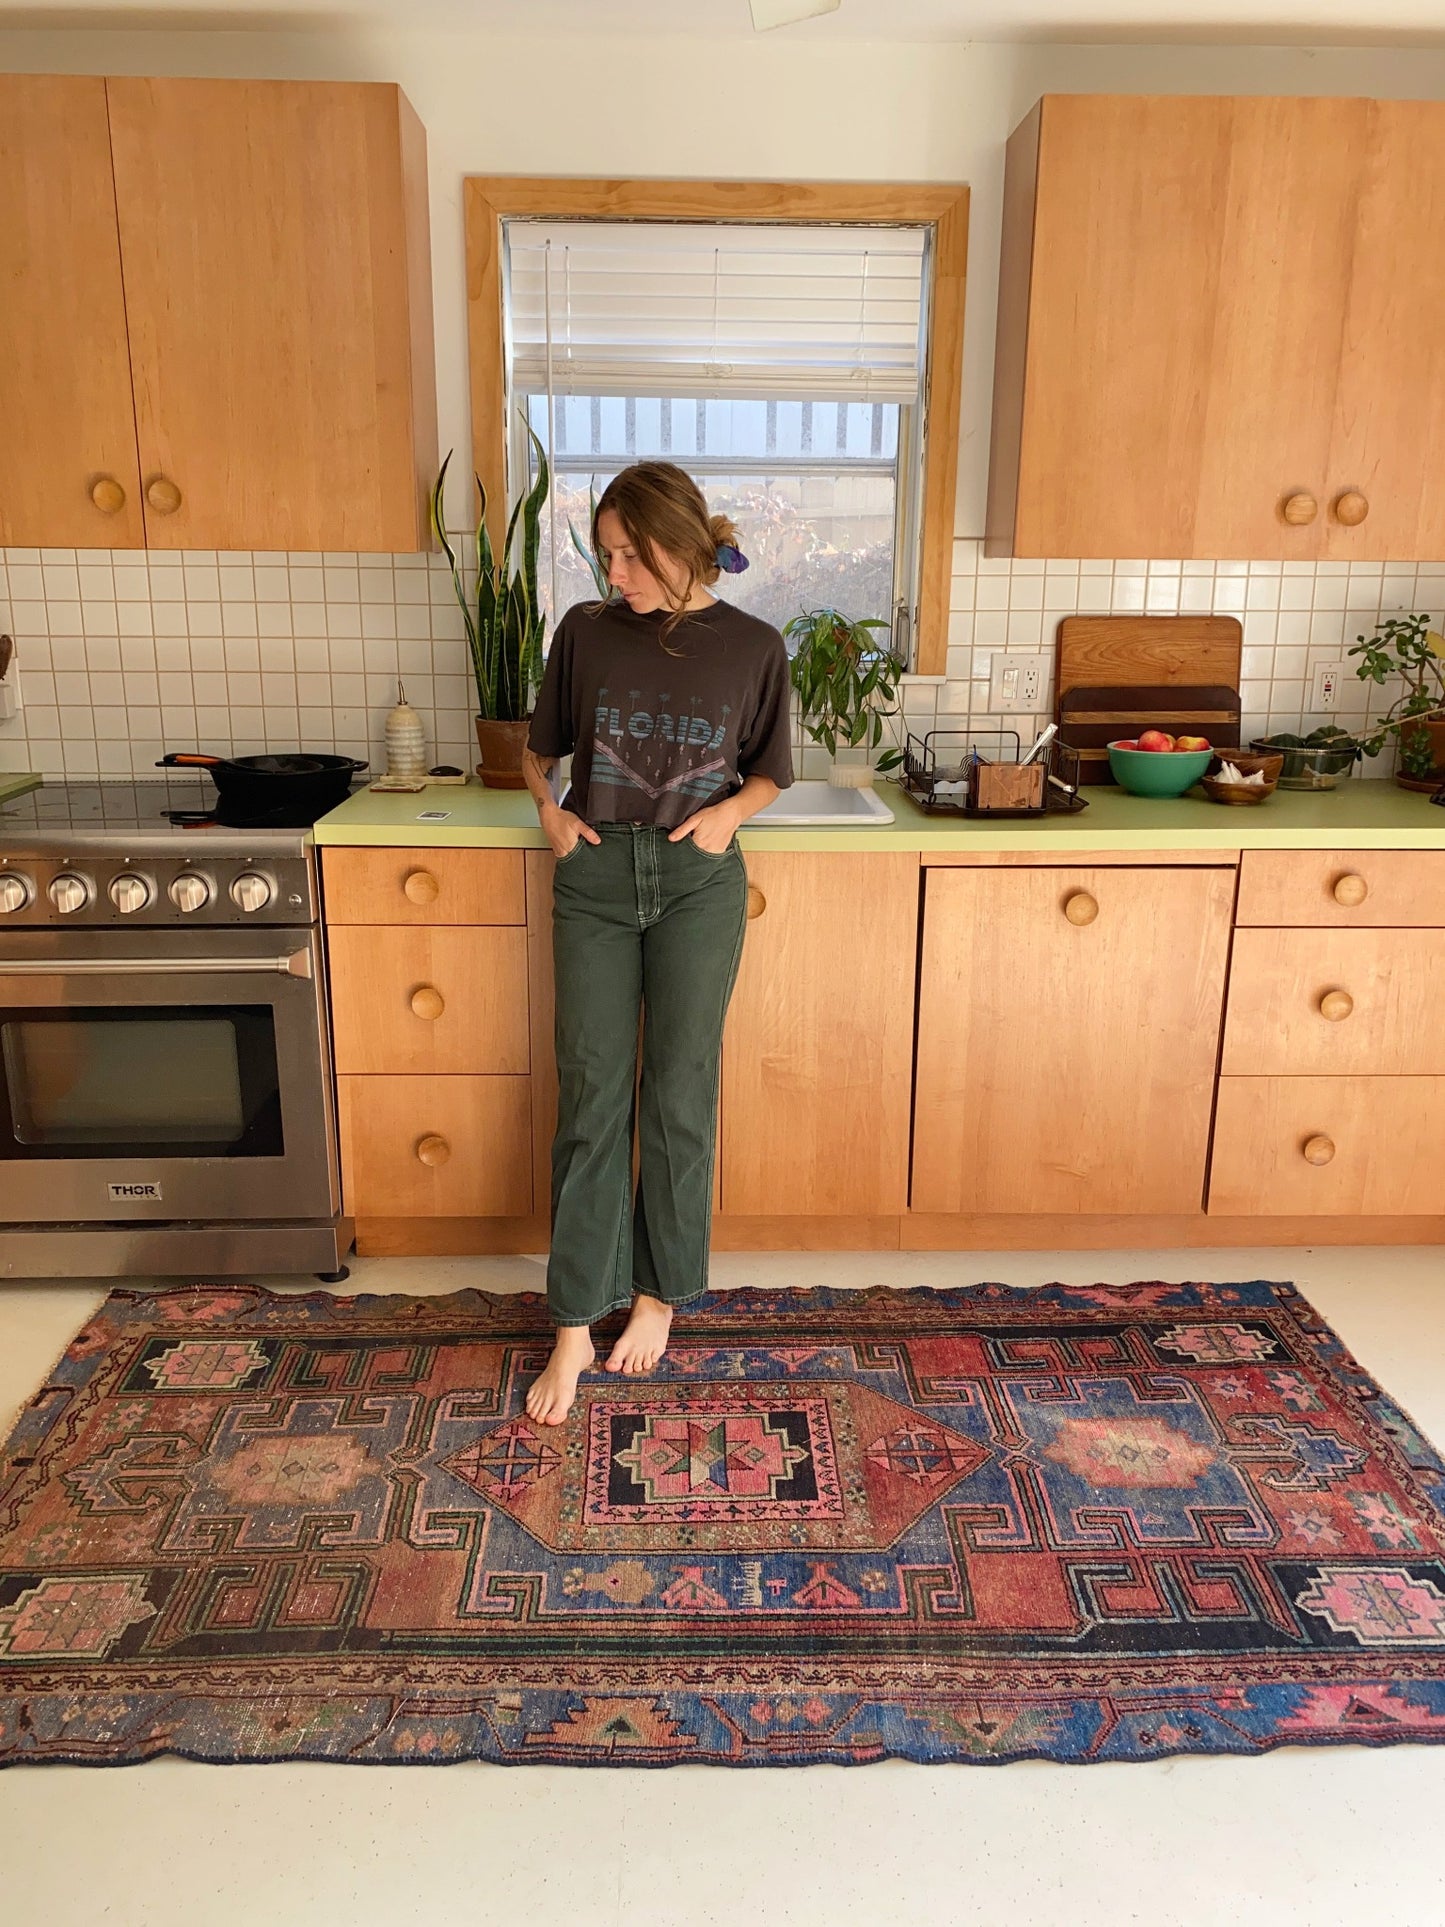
<point>358,766</point>
<point>185,759</point>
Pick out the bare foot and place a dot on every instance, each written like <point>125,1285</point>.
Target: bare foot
<point>550,1399</point>
<point>644,1338</point>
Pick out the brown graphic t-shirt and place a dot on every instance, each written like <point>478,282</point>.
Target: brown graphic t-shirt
<point>655,736</point>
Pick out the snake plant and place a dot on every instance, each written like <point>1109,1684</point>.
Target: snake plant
<point>504,627</point>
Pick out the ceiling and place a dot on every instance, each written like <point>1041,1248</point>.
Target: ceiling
<point>1264,22</point>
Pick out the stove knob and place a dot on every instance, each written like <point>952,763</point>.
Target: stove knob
<point>189,892</point>
<point>251,892</point>
<point>130,893</point>
<point>15,892</point>
<point>69,892</point>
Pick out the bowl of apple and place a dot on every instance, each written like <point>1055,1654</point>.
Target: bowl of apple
<point>1157,764</point>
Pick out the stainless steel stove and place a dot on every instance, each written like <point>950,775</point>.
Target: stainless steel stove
<point>165,1076</point>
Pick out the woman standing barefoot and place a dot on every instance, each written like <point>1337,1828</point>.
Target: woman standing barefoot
<point>674,708</point>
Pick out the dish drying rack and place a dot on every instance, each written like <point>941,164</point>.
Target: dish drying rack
<point>971,772</point>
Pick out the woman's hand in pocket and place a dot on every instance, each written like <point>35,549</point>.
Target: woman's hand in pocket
<point>712,829</point>
<point>564,830</point>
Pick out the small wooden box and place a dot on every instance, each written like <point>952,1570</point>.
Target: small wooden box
<point>1008,786</point>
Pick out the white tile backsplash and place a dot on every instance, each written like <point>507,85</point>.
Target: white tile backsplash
<point>120,657</point>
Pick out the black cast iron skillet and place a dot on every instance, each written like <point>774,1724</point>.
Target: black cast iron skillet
<point>260,786</point>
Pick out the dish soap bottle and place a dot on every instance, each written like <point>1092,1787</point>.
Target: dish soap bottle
<point>405,745</point>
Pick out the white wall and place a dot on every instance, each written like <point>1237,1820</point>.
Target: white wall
<point>776,107</point>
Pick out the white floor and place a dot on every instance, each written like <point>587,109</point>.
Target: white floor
<point>1317,1836</point>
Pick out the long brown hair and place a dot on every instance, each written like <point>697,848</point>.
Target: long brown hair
<point>662,511</point>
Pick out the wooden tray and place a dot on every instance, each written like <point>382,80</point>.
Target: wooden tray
<point>1092,718</point>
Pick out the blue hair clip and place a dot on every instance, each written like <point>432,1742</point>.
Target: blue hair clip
<point>731,560</point>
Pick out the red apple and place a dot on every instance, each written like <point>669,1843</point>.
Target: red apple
<point>1156,739</point>
<point>1129,743</point>
<point>1191,742</point>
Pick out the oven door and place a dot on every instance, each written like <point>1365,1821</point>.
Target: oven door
<point>162,1076</point>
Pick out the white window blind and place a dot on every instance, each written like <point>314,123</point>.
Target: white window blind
<point>661,308</point>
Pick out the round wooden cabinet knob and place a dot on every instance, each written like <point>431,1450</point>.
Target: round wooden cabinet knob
<point>108,495</point>
<point>427,1002</point>
<point>1351,508</point>
<point>1081,908</point>
<point>1336,1005</point>
<point>757,902</point>
<point>433,1151</point>
<point>1350,890</point>
<point>163,495</point>
<point>421,887</point>
<point>1319,1150</point>
<point>1300,508</point>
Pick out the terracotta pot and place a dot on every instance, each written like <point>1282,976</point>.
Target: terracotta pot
<point>1436,732</point>
<point>501,745</point>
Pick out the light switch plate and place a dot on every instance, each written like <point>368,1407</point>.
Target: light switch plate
<point>1017,683</point>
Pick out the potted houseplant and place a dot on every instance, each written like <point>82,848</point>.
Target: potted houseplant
<point>504,623</point>
<point>1407,647</point>
<point>847,683</point>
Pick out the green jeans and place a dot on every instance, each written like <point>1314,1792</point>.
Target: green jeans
<point>639,926</point>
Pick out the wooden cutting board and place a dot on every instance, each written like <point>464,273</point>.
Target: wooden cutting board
<point>1115,675</point>
<point>1090,718</point>
<point>1105,650</point>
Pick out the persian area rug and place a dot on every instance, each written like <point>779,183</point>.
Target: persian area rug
<point>971,1525</point>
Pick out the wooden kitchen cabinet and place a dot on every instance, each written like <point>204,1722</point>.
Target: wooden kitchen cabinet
<point>1068,1030</point>
<point>446,1000</point>
<point>435,1147</point>
<point>1314,1002</point>
<point>1209,338</point>
<point>217,328</point>
<point>68,468</point>
<point>274,236</point>
<point>1328,1147</point>
<point>429,966</point>
<point>817,1052</point>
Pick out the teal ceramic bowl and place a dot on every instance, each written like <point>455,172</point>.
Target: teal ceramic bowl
<point>1158,772</point>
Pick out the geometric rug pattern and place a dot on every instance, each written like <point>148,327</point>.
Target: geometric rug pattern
<point>1081,1524</point>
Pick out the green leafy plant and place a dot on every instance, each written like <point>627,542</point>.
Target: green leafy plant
<point>847,684</point>
<point>504,625</point>
<point>1407,647</point>
<point>585,549</point>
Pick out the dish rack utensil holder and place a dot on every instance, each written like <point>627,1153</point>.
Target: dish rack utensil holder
<point>980,772</point>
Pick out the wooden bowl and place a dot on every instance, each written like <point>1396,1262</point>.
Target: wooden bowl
<point>1221,792</point>
<point>1247,761</point>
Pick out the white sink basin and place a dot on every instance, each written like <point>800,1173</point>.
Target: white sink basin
<point>819,802</point>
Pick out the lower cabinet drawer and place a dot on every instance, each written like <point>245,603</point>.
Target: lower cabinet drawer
<point>1328,1147</point>
<point>428,1002</point>
<point>436,1147</point>
<point>1342,889</point>
<point>1367,1003</point>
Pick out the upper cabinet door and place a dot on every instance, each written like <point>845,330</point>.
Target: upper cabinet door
<point>68,474</point>
<point>1385,502</point>
<point>278,290</point>
<point>1169,325</point>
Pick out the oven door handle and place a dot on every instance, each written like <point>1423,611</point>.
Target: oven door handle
<point>295,963</point>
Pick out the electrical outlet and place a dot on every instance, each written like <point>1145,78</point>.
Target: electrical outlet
<point>1328,680</point>
<point>1016,684</point>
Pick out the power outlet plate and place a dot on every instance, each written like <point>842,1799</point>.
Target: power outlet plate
<point>1017,683</point>
<point>1328,680</point>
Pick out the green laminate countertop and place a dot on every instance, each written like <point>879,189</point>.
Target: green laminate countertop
<point>16,784</point>
<point>1359,815</point>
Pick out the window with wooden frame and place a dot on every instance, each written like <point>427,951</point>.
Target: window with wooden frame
<point>836,414</point>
